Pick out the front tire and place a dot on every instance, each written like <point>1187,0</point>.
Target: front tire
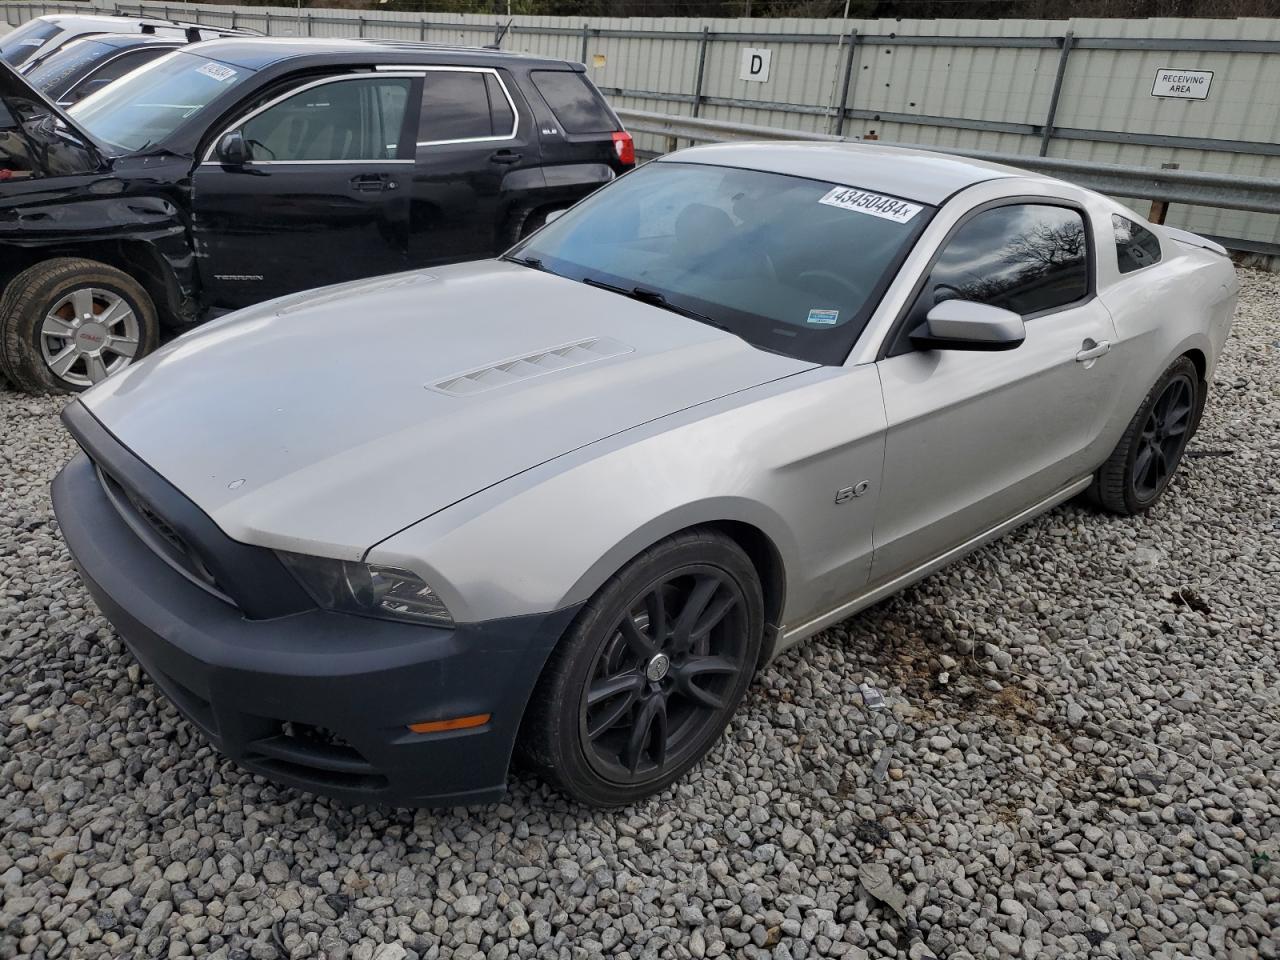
<point>646,679</point>
<point>67,323</point>
<point>1142,465</point>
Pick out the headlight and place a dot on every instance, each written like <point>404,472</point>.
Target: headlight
<point>368,589</point>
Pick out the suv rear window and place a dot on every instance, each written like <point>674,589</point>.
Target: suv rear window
<point>574,102</point>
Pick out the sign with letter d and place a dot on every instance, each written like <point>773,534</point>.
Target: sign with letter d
<point>755,64</point>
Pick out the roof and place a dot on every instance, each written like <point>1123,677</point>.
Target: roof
<point>106,20</point>
<point>123,40</point>
<point>257,52</point>
<point>919,175</point>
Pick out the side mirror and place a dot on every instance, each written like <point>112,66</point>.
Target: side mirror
<point>965,325</point>
<point>232,151</point>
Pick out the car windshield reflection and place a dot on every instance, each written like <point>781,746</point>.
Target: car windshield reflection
<point>791,265</point>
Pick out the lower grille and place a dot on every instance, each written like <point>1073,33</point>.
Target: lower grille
<point>305,752</point>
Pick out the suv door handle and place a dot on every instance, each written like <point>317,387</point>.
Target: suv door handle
<point>372,182</point>
<point>504,156</point>
<point>1092,350</point>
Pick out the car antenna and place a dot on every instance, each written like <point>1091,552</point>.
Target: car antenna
<point>499,31</point>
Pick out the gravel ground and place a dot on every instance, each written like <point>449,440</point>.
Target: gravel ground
<point>1078,758</point>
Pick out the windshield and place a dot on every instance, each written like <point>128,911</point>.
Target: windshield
<point>791,265</point>
<point>146,106</point>
<point>18,45</point>
<point>52,71</point>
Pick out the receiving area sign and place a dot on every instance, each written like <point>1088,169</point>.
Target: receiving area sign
<point>1182,84</point>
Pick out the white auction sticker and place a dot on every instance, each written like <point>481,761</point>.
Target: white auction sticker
<point>218,71</point>
<point>876,204</point>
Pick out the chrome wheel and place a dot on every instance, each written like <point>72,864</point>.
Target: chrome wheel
<point>665,675</point>
<point>89,334</point>
<point>1163,437</point>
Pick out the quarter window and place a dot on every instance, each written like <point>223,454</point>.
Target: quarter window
<point>464,105</point>
<point>1136,247</point>
<point>359,119</point>
<point>1028,258</point>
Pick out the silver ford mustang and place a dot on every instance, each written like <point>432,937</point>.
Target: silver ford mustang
<point>376,539</point>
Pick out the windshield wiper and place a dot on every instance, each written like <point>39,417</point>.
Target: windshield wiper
<point>655,299</point>
<point>532,262</point>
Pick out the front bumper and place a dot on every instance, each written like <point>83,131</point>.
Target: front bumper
<point>312,699</point>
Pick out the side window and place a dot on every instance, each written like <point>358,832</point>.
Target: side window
<point>504,118</point>
<point>1027,258</point>
<point>1136,247</point>
<point>112,71</point>
<point>463,105</point>
<point>356,119</point>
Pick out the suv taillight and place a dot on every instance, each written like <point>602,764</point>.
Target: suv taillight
<point>626,148</point>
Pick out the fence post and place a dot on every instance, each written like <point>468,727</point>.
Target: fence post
<point>1067,40</point>
<point>848,80</point>
<point>702,66</point>
<point>268,30</point>
<point>1160,208</point>
<point>584,44</point>
<point>235,17</point>
<point>422,30</point>
<point>361,33</point>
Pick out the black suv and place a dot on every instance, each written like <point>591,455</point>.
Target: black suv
<point>237,170</point>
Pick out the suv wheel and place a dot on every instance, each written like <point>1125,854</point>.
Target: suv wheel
<point>1143,463</point>
<point>67,323</point>
<point>525,221</point>
<point>648,676</point>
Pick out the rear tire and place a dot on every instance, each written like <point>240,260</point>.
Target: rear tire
<point>67,323</point>
<point>647,677</point>
<point>524,221</point>
<point>1143,463</point>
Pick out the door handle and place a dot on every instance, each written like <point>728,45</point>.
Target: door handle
<point>372,182</point>
<point>1092,350</point>
<point>504,156</point>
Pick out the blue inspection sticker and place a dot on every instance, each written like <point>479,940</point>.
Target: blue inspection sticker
<point>826,318</point>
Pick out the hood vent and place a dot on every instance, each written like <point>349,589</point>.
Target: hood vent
<point>527,367</point>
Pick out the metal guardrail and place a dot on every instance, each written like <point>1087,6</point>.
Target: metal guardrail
<point>1226,191</point>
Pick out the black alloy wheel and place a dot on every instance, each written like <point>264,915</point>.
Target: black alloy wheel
<point>645,680</point>
<point>1164,436</point>
<point>1143,463</point>
<point>666,671</point>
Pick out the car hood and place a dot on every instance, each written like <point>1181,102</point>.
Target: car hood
<point>32,133</point>
<point>327,421</point>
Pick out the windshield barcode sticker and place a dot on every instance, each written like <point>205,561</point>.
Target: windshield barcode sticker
<point>216,70</point>
<point>876,204</point>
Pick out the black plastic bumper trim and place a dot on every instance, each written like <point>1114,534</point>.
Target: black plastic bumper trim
<point>246,684</point>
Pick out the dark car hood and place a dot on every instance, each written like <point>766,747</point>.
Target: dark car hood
<point>37,137</point>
